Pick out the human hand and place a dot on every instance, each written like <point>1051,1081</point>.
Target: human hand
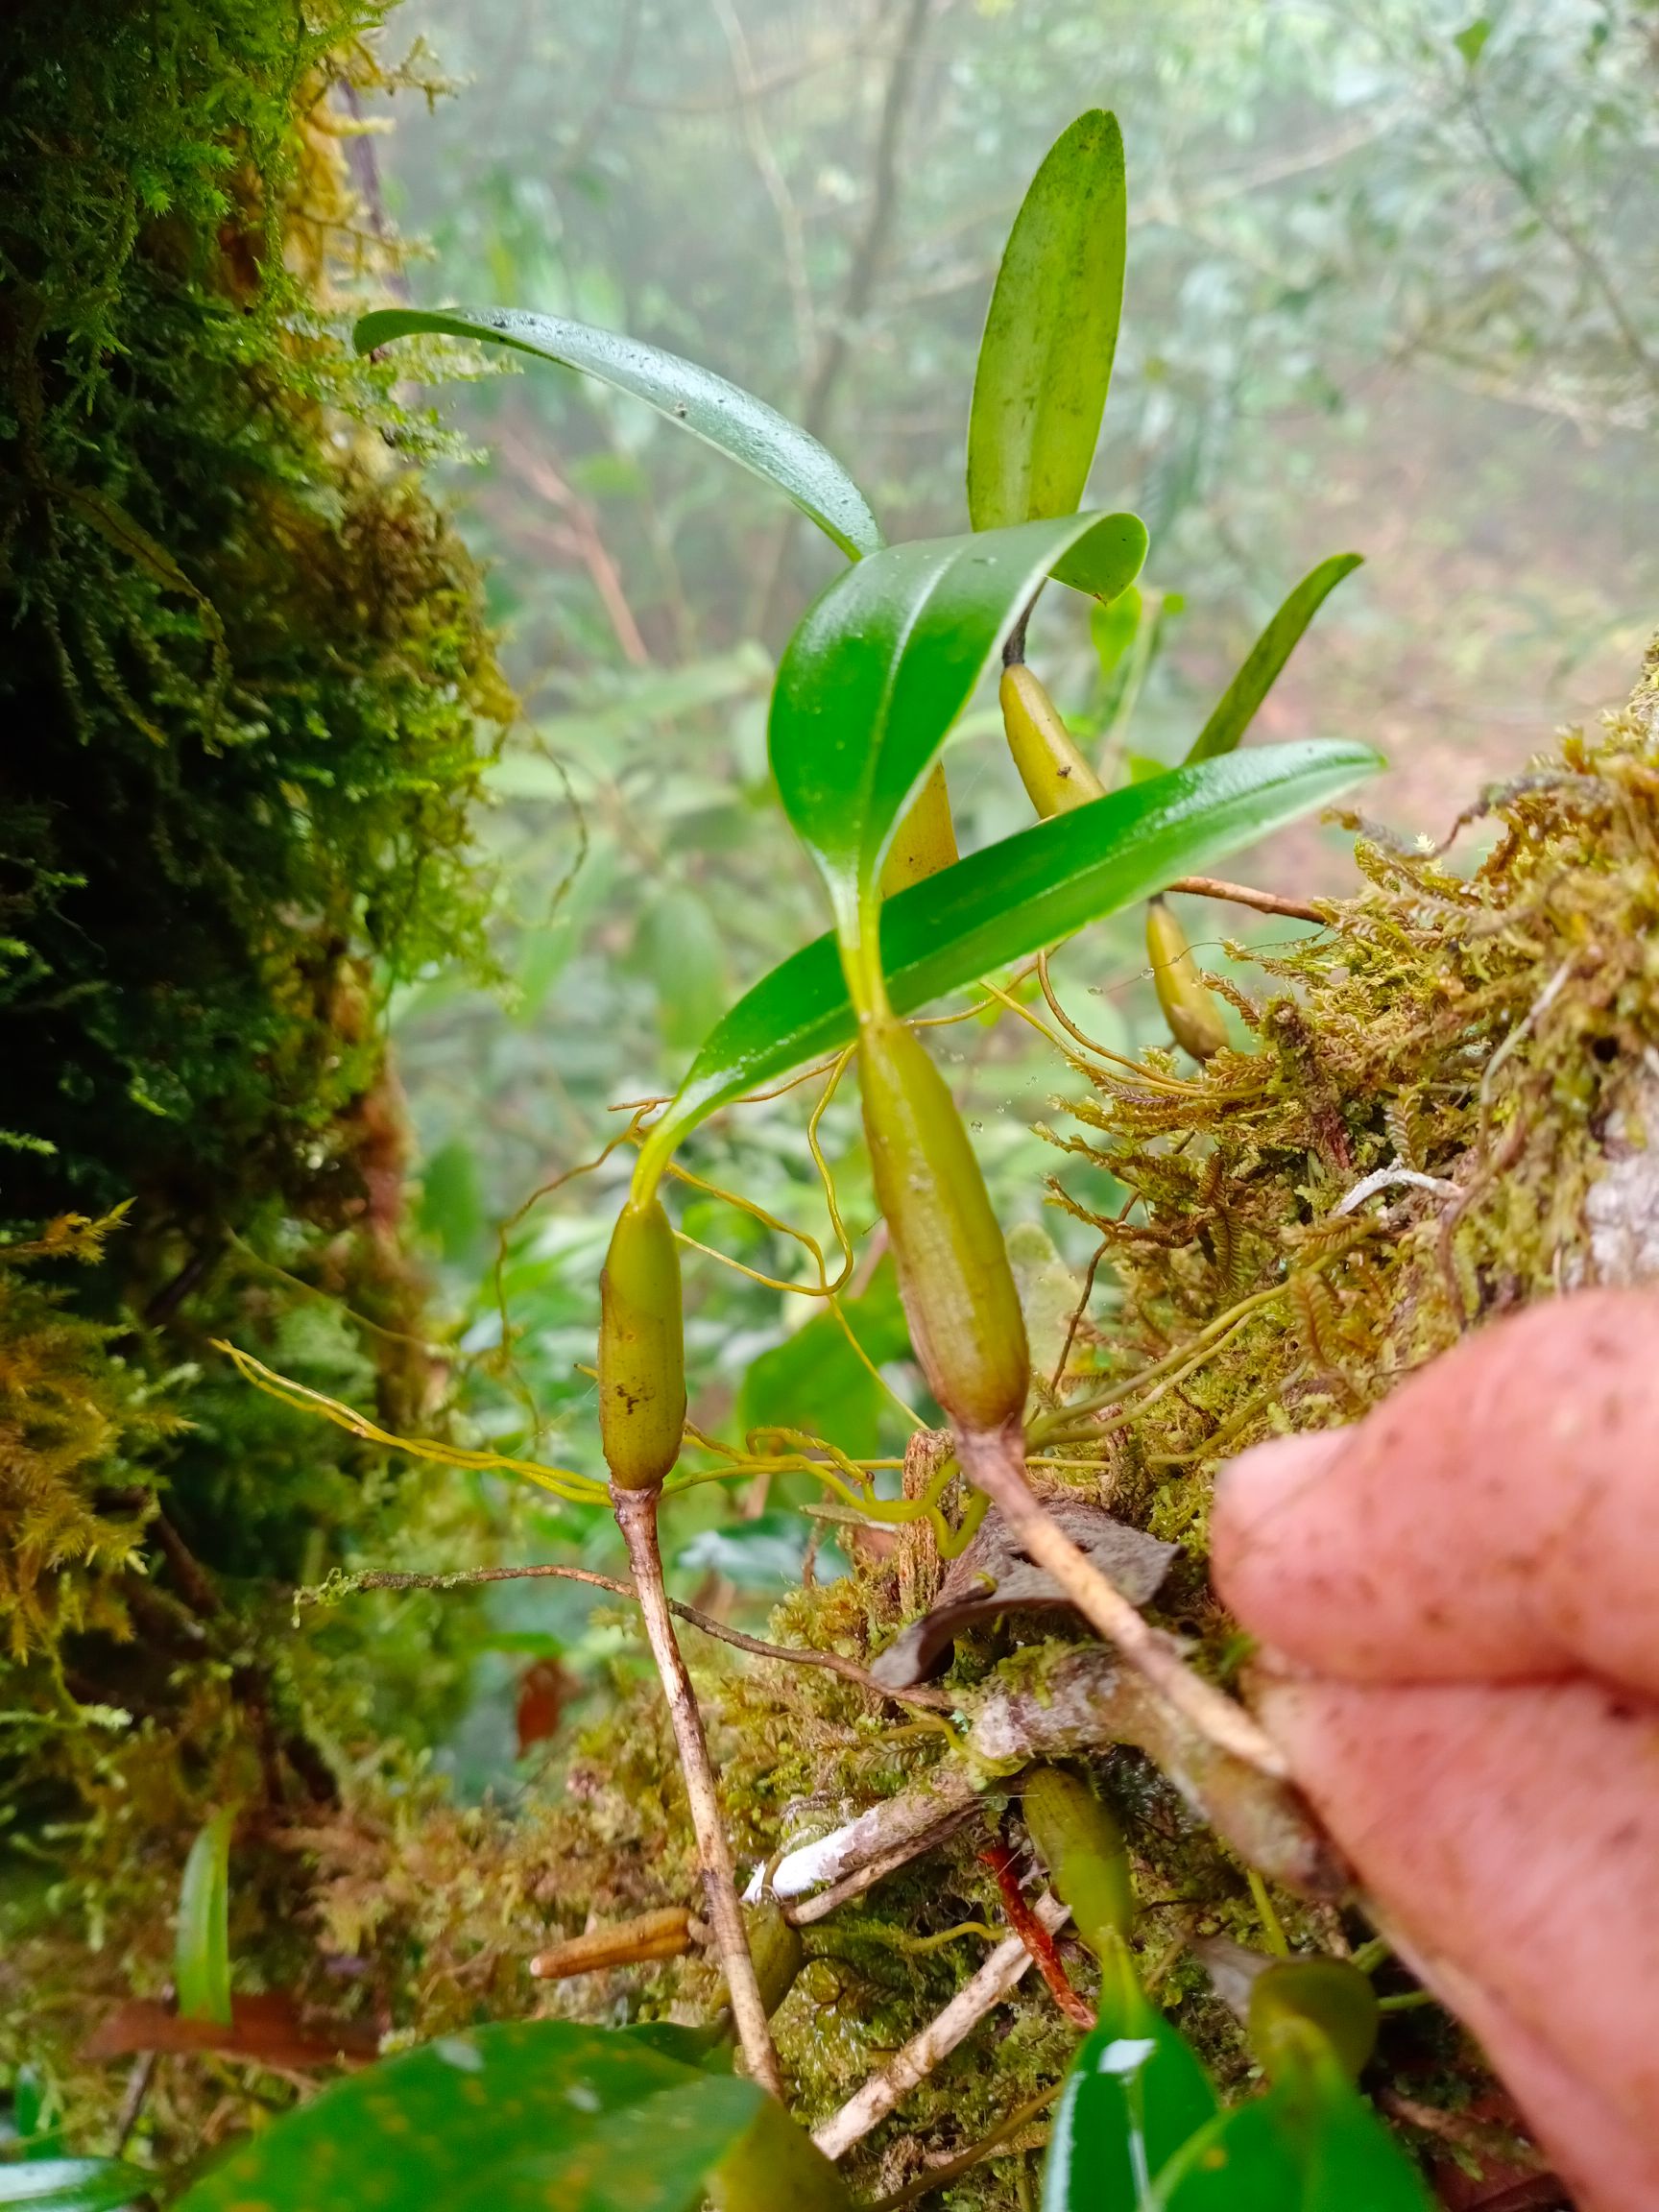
<point>1458,1605</point>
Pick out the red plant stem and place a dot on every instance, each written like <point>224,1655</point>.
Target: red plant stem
<point>1044,1956</point>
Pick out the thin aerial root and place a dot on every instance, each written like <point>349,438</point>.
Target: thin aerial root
<point>562,1482</point>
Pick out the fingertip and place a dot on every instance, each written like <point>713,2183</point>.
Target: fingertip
<point>1253,1491</point>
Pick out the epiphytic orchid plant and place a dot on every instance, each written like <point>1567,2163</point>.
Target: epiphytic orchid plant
<point>870,686</point>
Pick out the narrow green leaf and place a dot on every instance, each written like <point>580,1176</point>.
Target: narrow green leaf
<point>681,947</point>
<point>723,415</point>
<point>877,670</point>
<point>1111,630</point>
<point>1298,2149</point>
<point>1046,358</point>
<point>1236,710</point>
<point>1136,2093</point>
<point>72,2185</point>
<point>202,1947</point>
<point>510,2118</point>
<point>1000,904</point>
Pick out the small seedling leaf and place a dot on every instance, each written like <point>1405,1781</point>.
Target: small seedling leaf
<point>1046,358</point>
<point>1008,901</point>
<point>202,1950</point>
<point>1236,708</point>
<point>1471,40</point>
<point>723,415</point>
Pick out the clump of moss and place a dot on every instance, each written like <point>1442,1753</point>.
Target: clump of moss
<point>68,1410</point>
<point>247,660</point>
<point>247,649</point>
<point>1442,1119</point>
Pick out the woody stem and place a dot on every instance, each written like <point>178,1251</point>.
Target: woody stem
<point>636,1517</point>
<point>996,1461</point>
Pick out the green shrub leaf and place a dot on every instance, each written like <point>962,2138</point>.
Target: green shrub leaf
<point>72,2185</point>
<point>519,2116</point>
<point>202,1947</point>
<point>723,415</point>
<point>1236,710</point>
<point>877,670</point>
<point>1046,358</point>
<point>1006,901</point>
<point>815,1380</point>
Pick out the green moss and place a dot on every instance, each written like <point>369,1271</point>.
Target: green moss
<point>247,668</point>
<point>1492,1032</point>
<point>247,650</point>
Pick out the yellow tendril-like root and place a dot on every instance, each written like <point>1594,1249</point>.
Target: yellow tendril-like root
<point>563,1481</point>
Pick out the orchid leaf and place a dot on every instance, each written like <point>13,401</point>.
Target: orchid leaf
<point>1107,562</point>
<point>877,670</point>
<point>1006,901</point>
<point>1236,708</point>
<point>72,2185</point>
<point>723,415</point>
<point>1051,335</point>
<point>1136,2093</point>
<point>1305,2147</point>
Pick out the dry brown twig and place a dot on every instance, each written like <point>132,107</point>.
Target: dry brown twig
<point>997,1974</point>
<point>465,1577</point>
<point>1085,1701</point>
<point>651,1935</point>
<point>995,1463</point>
<point>1246,895</point>
<point>636,1513</point>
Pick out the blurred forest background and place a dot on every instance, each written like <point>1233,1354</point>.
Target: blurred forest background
<point>1393,287</point>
